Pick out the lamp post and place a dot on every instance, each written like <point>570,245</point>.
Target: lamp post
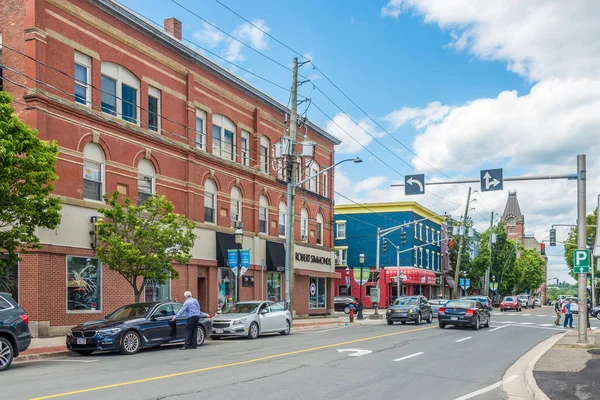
<point>401,279</point>
<point>239,237</point>
<point>361,261</point>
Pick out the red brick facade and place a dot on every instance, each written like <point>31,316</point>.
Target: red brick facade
<point>50,32</point>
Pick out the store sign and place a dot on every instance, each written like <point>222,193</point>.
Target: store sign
<point>313,259</point>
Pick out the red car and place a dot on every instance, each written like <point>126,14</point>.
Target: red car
<point>510,303</point>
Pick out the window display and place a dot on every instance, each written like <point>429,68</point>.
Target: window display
<point>274,286</point>
<point>83,284</point>
<point>226,281</point>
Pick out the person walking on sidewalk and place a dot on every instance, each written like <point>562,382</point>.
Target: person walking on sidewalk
<point>191,307</point>
<point>558,311</point>
<point>568,315</point>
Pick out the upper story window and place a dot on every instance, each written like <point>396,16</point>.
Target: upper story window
<point>282,218</point>
<point>420,257</point>
<point>304,225</point>
<point>146,181</point>
<point>93,172</point>
<point>311,171</point>
<point>200,129</point>
<point>427,234</point>
<point>245,150</point>
<point>319,230</point>
<point>120,92</point>
<point>153,109</point>
<point>210,201</point>
<point>416,231</point>
<point>341,256</point>
<point>341,230</point>
<point>223,136</point>
<point>325,187</point>
<point>511,220</point>
<point>427,257</point>
<point>265,145</point>
<point>263,215</point>
<point>416,255</point>
<point>236,206</point>
<point>421,232</point>
<point>83,79</point>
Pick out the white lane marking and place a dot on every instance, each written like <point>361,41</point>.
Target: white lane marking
<point>547,324</point>
<point>487,388</point>
<point>411,356</point>
<point>541,327</point>
<point>506,322</point>
<point>540,315</point>
<point>463,339</point>
<point>329,330</point>
<point>525,315</point>
<point>356,352</point>
<point>526,323</point>
<point>498,327</point>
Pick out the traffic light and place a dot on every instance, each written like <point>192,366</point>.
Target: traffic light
<point>590,242</point>
<point>543,249</point>
<point>402,237</point>
<point>552,237</point>
<point>384,245</point>
<point>449,223</point>
<point>451,244</point>
<point>375,276</point>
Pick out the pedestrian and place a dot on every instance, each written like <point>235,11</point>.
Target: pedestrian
<point>568,314</point>
<point>558,311</point>
<point>191,307</point>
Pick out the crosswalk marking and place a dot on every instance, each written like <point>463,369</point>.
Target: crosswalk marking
<point>506,322</point>
<point>526,323</point>
<point>546,324</point>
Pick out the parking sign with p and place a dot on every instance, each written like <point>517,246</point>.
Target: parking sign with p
<point>581,261</point>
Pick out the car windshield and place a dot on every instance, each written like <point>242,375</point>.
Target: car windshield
<point>438,301</point>
<point>523,297</point>
<point>460,304</point>
<point>509,299</point>
<point>242,308</point>
<point>406,301</point>
<point>131,311</point>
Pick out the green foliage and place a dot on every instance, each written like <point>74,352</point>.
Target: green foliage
<point>141,241</point>
<point>571,242</point>
<point>27,168</point>
<point>530,266</point>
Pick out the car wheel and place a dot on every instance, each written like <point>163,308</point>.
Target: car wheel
<point>346,310</point>
<point>488,322</point>
<point>598,315</point>
<point>287,329</point>
<point>6,353</point>
<point>442,325</point>
<point>390,322</point>
<point>130,343</point>
<point>84,352</point>
<point>253,331</point>
<point>403,322</point>
<point>476,326</point>
<point>430,318</point>
<point>418,321</point>
<point>200,336</point>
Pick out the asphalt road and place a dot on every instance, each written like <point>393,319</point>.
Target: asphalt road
<point>422,362</point>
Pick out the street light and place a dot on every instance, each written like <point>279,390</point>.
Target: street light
<point>401,279</point>
<point>239,237</point>
<point>361,261</point>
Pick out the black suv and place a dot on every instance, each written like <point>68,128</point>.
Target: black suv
<point>14,330</point>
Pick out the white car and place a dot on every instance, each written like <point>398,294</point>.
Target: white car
<point>574,304</point>
<point>526,300</point>
<point>537,302</point>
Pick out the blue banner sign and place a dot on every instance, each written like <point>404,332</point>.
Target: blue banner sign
<point>245,260</point>
<point>232,260</point>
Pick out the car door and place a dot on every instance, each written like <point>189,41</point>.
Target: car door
<point>266,321</point>
<point>178,327</point>
<point>277,312</point>
<point>424,307</point>
<point>156,328</point>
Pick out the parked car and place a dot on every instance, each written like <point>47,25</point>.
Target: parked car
<point>595,312</point>
<point>484,300</point>
<point>537,302</point>
<point>464,312</point>
<point>133,327</point>
<point>14,330</point>
<point>510,303</point>
<point>574,304</point>
<point>526,300</point>
<point>342,303</point>
<point>436,304</point>
<point>251,319</point>
<point>409,308</point>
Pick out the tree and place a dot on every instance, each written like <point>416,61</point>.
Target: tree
<point>531,267</point>
<point>571,242</point>
<point>140,241</point>
<point>27,169</point>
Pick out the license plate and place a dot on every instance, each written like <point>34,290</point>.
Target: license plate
<point>81,341</point>
<point>218,330</point>
<point>454,319</point>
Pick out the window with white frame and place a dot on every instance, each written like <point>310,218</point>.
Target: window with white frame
<point>427,234</point>
<point>341,255</point>
<point>304,225</point>
<point>421,232</point>
<point>153,109</point>
<point>439,237</point>
<point>200,129</point>
<point>93,172</point>
<point>265,145</point>
<point>245,150</point>
<point>83,79</point>
<point>311,172</point>
<point>340,230</point>
<point>120,92</point>
<point>433,260</point>
<point>416,251</point>
<point>439,261</point>
<point>416,231</point>
<point>223,136</point>
<point>427,257</point>
<point>235,206</point>
<point>319,229</point>
<point>210,201</point>
<point>282,218</point>
<point>146,180</point>
<point>324,177</point>
<point>317,292</point>
<point>263,214</point>
<point>420,257</point>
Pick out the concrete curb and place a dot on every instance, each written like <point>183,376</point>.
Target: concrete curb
<point>41,356</point>
<point>518,381</point>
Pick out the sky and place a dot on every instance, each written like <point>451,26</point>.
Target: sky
<point>444,88</point>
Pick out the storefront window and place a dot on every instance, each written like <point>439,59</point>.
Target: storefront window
<point>274,286</point>
<point>155,291</point>
<point>317,292</point>
<point>226,288</point>
<point>83,284</point>
<point>9,280</point>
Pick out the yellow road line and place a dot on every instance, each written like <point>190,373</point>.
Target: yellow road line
<point>234,364</point>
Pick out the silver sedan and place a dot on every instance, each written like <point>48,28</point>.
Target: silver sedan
<point>436,304</point>
<point>251,319</point>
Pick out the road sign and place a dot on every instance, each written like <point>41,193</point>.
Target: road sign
<point>491,179</point>
<point>414,184</point>
<point>374,295</point>
<point>581,261</point>
<point>465,283</point>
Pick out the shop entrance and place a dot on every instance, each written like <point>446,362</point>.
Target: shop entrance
<point>203,294</point>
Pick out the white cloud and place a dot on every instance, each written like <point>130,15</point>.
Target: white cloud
<point>369,184</point>
<point>254,36</point>
<point>539,39</point>
<point>209,36</point>
<point>351,134</point>
<point>418,117</point>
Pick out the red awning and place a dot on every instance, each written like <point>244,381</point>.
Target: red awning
<point>413,276</point>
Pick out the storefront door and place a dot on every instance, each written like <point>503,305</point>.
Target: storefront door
<point>274,286</point>
<point>226,287</point>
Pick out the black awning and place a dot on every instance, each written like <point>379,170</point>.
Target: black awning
<point>225,241</point>
<point>275,257</point>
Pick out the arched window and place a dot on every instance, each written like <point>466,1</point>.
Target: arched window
<point>210,201</point>
<point>265,145</point>
<point>146,180</point>
<point>319,230</point>
<point>304,225</point>
<point>120,92</point>
<point>223,136</point>
<point>236,206</point>
<point>263,215</point>
<point>282,218</point>
<point>93,172</point>
<point>313,184</point>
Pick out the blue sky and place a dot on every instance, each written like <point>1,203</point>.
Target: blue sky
<point>465,85</point>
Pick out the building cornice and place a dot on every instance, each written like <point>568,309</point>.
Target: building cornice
<point>370,208</point>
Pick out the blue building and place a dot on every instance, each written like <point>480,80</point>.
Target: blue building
<point>423,256</point>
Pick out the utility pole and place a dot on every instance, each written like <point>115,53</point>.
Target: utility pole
<point>375,315</point>
<point>581,244</point>
<point>460,245</point>
<point>291,176</point>
<point>487,273</point>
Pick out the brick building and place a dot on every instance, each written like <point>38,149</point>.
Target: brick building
<point>135,110</point>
